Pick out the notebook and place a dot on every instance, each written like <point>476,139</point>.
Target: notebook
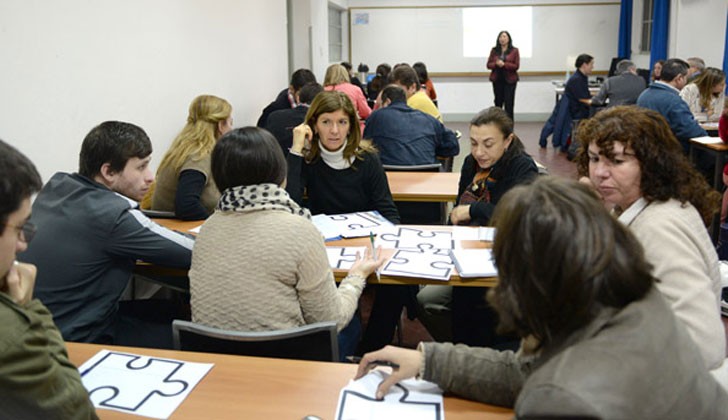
<point>474,262</point>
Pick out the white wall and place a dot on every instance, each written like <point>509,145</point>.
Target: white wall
<point>70,65</point>
<point>699,30</point>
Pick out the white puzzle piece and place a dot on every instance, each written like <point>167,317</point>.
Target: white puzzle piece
<point>429,264</point>
<point>401,237</point>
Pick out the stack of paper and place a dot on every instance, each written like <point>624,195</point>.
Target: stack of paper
<point>474,262</point>
<point>349,225</point>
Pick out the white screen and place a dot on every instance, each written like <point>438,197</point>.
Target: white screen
<point>481,26</point>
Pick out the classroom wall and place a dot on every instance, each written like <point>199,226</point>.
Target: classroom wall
<point>70,65</point>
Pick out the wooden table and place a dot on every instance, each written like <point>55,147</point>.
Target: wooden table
<point>178,277</point>
<point>718,150</point>
<point>438,187</point>
<point>259,388</point>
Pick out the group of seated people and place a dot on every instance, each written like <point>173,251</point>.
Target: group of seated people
<point>607,303</point>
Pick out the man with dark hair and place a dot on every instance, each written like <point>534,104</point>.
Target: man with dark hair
<point>621,89</point>
<point>282,122</point>
<point>406,77</point>
<point>91,233</point>
<point>577,87</point>
<point>36,378</point>
<point>663,96</point>
<point>286,99</point>
<point>406,136</point>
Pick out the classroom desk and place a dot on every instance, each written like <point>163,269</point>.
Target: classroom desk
<point>256,388</point>
<point>440,187</point>
<point>177,278</point>
<point>718,151</point>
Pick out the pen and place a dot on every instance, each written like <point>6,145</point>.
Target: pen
<point>357,359</point>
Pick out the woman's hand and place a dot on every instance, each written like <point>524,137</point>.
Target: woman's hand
<point>460,214</point>
<point>408,360</point>
<point>500,63</point>
<point>367,265</point>
<point>19,282</point>
<point>302,136</point>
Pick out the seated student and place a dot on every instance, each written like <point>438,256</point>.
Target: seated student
<point>598,340</point>
<point>577,87</point>
<point>380,80</point>
<point>353,79</point>
<point>286,99</point>
<point>281,123</point>
<point>90,235</point>
<point>36,378</point>
<point>663,96</point>
<point>706,95</point>
<point>635,165</point>
<point>425,81</point>
<point>656,70</point>
<point>405,136</point>
<point>279,277</point>
<point>337,79</point>
<point>697,65</point>
<point>184,184</point>
<point>621,89</point>
<point>497,162</point>
<point>406,77</point>
<point>342,174</point>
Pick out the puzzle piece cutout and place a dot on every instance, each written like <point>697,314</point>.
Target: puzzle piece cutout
<point>343,257</point>
<point>412,238</point>
<point>429,264</point>
<point>148,386</point>
<point>358,221</point>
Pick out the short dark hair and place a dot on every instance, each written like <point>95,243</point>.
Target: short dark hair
<point>112,142</point>
<point>498,117</point>
<point>346,65</point>
<point>571,257</point>
<point>18,180</point>
<point>308,92</point>
<point>394,93</point>
<point>421,70</point>
<point>583,59</point>
<point>247,156</point>
<point>405,75</point>
<point>301,77</point>
<point>673,68</point>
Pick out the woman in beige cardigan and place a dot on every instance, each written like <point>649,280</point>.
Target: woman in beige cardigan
<point>259,264</point>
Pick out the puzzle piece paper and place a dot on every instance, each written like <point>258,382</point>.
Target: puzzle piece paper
<point>400,237</point>
<point>142,385</point>
<point>343,257</point>
<point>429,264</point>
<point>349,225</point>
<point>409,399</point>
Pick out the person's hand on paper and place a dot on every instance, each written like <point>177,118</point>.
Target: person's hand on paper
<point>368,264</point>
<point>408,360</point>
<point>302,135</point>
<point>460,214</point>
<point>19,282</point>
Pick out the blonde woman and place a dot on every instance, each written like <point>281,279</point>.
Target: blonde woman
<point>184,183</point>
<point>706,95</point>
<point>337,78</point>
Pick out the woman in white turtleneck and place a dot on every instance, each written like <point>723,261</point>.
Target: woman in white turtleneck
<point>341,174</point>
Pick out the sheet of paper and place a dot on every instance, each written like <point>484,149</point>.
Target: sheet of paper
<point>428,264</point>
<point>405,237</point>
<point>464,233</point>
<point>196,230</point>
<point>343,257</point>
<point>141,385</point>
<point>474,262</point>
<point>410,399</point>
<point>486,234</point>
<point>349,225</point>
<point>707,140</point>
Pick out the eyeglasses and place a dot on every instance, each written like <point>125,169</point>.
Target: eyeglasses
<point>26,231</point>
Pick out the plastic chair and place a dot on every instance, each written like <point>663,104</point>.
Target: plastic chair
<point>310,342</point>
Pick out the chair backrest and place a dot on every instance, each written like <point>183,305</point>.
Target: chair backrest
<point>310,342</point>
<point>430,167</point>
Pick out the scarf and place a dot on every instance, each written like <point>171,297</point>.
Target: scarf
<point>249,198</point>
<point>335,160</point>
<point>479,189</point>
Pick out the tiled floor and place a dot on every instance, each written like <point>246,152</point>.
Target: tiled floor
<point>555,162</point>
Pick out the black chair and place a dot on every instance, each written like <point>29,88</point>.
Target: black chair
<point>416,213</point>
<point>310,342</point>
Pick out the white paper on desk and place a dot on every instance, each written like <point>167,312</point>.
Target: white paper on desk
<point>409,399</point>
<point>474,262</point>
<point>408,237</point>
<point>434,264</point>
<point>349,225</point>
<point>707,140</point>
<point>343,257</point>
<point>196,230</point>
<point>141,385</point>
<point>713,125</point>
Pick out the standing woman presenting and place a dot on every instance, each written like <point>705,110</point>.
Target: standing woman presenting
<point>504,62</point>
